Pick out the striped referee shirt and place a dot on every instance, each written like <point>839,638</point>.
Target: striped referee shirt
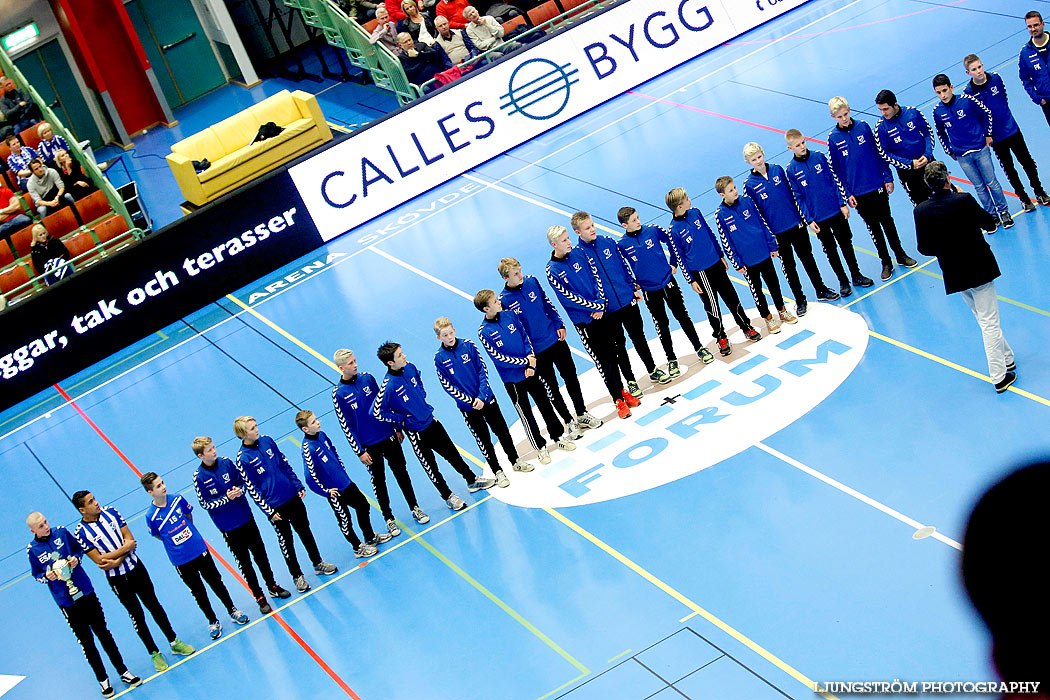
<point>104,535</point>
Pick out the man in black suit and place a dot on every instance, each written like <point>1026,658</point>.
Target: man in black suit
<point>948,226</point>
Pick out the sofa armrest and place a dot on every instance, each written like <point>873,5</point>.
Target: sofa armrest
<point>186,177</point>
<point>309,108</point>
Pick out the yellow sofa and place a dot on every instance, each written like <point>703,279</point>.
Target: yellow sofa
<point>235,160</point>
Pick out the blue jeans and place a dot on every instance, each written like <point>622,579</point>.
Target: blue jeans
<point>15,223</point>
<point>978,167</point>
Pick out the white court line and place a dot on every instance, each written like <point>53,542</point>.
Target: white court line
<point>586,136</point>
<point>897,515</point>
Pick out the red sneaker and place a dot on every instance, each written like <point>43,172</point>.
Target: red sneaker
<point>630,400</point>
<point>724,348</point>
<point>752,334</point>
<point>622,410</point>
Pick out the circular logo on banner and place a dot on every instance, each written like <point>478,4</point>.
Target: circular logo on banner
<point>708,415</point>
<point>539,89</point>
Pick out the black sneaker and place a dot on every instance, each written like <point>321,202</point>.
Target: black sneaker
<point>907,261</point>
<point>1008,221</point>
<point>264,607</point>
<point>1029,206</point>
<point>278,592</point>
<point>130,679</point>
<point>800,307</point>
<point>107,689</point>
<point>826,294</point>
<point>1002,386</point>
<point>1012,367</point>
<point>1042,199</point>
<point>887,272</point>
<point>845,291</point>
<point>861,281</point>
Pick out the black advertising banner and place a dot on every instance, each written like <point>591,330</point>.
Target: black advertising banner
<point>170,274</point>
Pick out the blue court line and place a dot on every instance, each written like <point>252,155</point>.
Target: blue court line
<point>606,441</point>
<point>795,339</point>
<point>654,415</point>
<point>702,389</point>
<point>558,468</point>
<point>745,365</point>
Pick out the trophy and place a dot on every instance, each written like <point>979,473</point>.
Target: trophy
<point>61,568</point>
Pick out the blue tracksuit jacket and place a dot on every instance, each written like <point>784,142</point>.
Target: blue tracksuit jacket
<point>642,249</point>
<point>745,236</point>
<point>1033,73</point>
<point>692,243</point>
<point>506,342</point>
<point>816,187</point>
<point>962,125</point>
<point>41,553</point>
<point>541,319</point>
<point>993,96</point>
<point>462,373</point>
<point>856,160</point>
<point>353,401</point>
<point>402,400</point>
<point>617,280</point>
<point>321,465</point>
<point>771,193</point>
<point>211,485</point>
<point>904,138</point>
<point>268,478</point>
<point>575,281</point>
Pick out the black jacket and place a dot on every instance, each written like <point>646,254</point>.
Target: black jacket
<point>948,226</point>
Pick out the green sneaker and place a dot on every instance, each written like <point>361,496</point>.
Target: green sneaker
<point>705,355</point>
<point>633,390</point>
<point>658,376</point>
<point>159,664</point>
<point>673,370</point>
<point>181,648</point>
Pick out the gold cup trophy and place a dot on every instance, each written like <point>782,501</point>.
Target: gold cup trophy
<point>61,568</point>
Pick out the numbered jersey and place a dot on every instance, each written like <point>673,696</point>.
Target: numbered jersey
<point>172,525</point>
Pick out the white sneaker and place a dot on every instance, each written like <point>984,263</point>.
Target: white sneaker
<point>421,517</point>
<point>392,528</point>
<point>523,466</point>
<point>365,550</point>
<point>454,502</point>
<point>480,484</point>
<point>772,324</point>
<point>572,432</point>
<point>566,444</point>
<point>501,479</point>
<point>545,457</point>
<point>586,421</point>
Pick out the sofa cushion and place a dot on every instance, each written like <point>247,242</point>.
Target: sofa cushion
<point>236,132</point>
<point>264,162</point>
<point>243,155</point>
<point>280,109</point>
<point>200,146</point>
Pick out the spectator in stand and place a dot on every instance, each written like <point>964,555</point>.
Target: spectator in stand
<point>395,8</point>
<point>19,159</point>
<point>18,107</point>
<point>421,62</point>
<point>417,24</point>
<point>486,33</point>
<point>361,10</point>
<point>47,189</point>
<point>50,256</point>
<point>452,10</point>
<point>49,143</point>
<point>77,184</point>
<point>455,42</point>
<point>12,216</point>
<point>385,32</point>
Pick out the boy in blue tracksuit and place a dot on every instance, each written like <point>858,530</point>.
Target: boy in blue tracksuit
<point>867,180</point>
<point>326,476</point>
<point>643,249</point>
<point>903,139</point>
<point>750,247</point>
<point>402,401</point>
<point>1006,134</point>
<point>220,491</point>
<point>574,278</point>
<point>372,440</point>
<point>84,613</point>
<point>1033,61</point>
<point>623,294</point>
<point>697,253</point>
<point>822,201</point>
<point>767,186</point>
<point>463,375</point>
<point>503,336</point>
<point>546,332</point>
<point>273,485</point>
<point>964,127</point>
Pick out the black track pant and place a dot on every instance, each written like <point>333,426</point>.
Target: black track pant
<point>1046,111</point>
<point>671,296</point>
<point>714,283</point>
<point>194,574</point>
<point>390,451</point>
<point>766,272</point>
<point>559,356</point>
<point>342,503</point>
<point>599,340</point>
<point>434,438</point>
<point>519,395</point>
<point>246,542</point>
<point>795,243</point>
<point>135,589</point>
<point>293,515</point>
<point>480,422</point>
<point>874,209</point>
<point>629,318</point>
<point>85,618</point>
<point>835,231</point>
<point>1016,143</point>
<point>914,184</point>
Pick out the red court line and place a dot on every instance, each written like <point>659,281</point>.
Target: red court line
<point>276,616</point>
<point>768,128</point>
<point>842,29</point>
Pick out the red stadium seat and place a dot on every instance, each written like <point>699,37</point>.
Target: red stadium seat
<point>30,137</point>
<point>93,207</point>
<point>7,256</point>
<point>513,22</point>
<point>108,229</point>
<point>13,277</point>
<point>79,243</point>
<point>60,223</point>
<point>370,25</point>
<point>546,11</point>
<point>22,240</point>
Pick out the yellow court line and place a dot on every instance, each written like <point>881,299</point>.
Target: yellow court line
<point>689,616</point>
<point>882,286</point>
<point>338,128</point>
<point>619,656</point>
<point>563,686</point>
<point>283,332</point>
<point>755,647</point>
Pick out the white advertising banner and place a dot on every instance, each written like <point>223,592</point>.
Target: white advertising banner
<point>518,99</point>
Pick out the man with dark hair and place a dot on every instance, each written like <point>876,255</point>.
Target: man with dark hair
<point>107,540</point>
<point>904,140</point>
<point>947,227</point>
<point>1033,62</point>
<point>18,108</point>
